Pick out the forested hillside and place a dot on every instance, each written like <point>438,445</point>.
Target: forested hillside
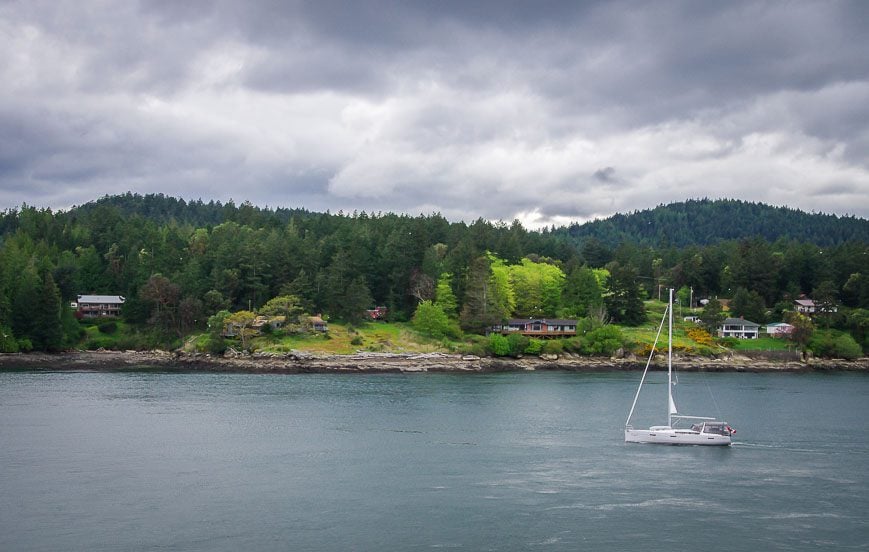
<point>179,263</point>
<point>705,222</point>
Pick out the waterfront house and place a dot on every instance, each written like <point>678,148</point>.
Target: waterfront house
<point>538,327</point>
<point>739,328</point>
<point>98,306</point>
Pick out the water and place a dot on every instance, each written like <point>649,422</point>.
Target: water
<point>524,461</point>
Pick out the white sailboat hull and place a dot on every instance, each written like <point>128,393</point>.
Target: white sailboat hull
<point>670,436</point>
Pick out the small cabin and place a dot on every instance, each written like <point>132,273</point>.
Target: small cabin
<point>317,323</point>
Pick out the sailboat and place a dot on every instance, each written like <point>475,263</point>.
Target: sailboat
<point>703,430</point>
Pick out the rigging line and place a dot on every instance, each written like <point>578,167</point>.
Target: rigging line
<point>648,362</point>
<point>714,402</point>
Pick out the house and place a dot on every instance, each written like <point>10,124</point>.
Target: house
<point>779,329</point>
<point>808,306</point>
<point>537,327</point>
<point>98,306</point>
<point>274,322</point>
<point>377,313</point>
<point>318,324</point>
<point>738,327</point>
<point>695,319</point>
<point>233,329</point>
<point>804,306</point>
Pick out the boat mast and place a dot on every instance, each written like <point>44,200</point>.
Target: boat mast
<point>670,364</point>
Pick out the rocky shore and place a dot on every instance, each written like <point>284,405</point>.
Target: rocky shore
<point>301,363</point>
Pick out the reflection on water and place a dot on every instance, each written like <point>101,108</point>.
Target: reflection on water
<point>147,461</point>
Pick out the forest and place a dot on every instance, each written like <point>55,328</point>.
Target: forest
<point>180,263</point>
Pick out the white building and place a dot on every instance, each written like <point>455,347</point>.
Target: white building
<point>738,327</point>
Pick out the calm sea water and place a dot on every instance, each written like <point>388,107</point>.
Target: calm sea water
<point>525,461</point>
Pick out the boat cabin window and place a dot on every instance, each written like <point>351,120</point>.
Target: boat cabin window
<point>717,429</point>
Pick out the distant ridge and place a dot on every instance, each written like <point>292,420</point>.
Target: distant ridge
<point>693,222</point>
<point>705,222</point>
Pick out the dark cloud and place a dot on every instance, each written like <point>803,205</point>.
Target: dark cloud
<point>607,174</point>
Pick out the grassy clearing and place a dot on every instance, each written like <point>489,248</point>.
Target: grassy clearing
<point>762,344</point>
<point>342,339</point>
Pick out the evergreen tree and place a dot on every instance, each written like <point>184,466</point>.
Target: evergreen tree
<point>26,296</point>
<point>348,295</point>
<point>625,300</point>
<point>46,333</point>
<point>712,317</point>
<point>481,308</point>
<point>581,292</point>
<point>749,305</point>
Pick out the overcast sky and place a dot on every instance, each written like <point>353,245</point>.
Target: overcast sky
<point>545,111</point>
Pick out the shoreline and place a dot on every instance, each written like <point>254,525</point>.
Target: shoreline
<point>304,363</point>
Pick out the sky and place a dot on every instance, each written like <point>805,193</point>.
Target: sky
<point>548,112</point>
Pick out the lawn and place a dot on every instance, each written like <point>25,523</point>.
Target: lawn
<point>763,344</point>
<point>343,339</point>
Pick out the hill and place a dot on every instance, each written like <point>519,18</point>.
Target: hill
<point>706,222</point>
<point>693,222</point>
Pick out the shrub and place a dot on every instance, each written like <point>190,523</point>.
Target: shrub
<point>573,344</point>
<point>846,347</point>
<point>699,335</point>
<point>830,344</point>
<point>216,345</point>
<point>108,327</point>
<point>518,343</point>
<point>605,340</point>
<point>535,347</point>
<point>477,346</point>
<point>729,342</point>
<point>7,341</point>
<point>498,345</point>
<point>357,340</point>
<point>553,347</point>
<point>25,345</point>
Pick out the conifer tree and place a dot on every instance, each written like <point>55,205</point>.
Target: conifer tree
<point>46,333</point>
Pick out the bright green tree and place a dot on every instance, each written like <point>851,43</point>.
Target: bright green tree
<point>431,320</point>
<point>444,296</point>
<point>537,288</point>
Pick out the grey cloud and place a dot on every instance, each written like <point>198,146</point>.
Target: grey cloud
<point>475,92</point>
<point>607,174</point>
